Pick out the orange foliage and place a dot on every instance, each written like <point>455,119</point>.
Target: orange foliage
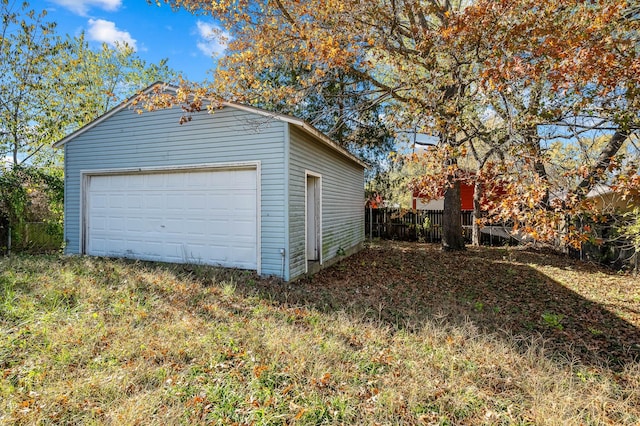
<point>437,64</point>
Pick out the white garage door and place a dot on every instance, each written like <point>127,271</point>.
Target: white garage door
<point>185,217</point>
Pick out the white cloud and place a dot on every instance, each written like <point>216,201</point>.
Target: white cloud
<point>81,7</point>
<point>213,39</point>
<point>107,32</point>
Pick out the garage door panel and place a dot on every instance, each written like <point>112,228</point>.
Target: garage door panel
<point>132,184</point>
<point>135,225</point>
<point>176,181</point>
<point>151,224</point>
<point>240,254</point>
<point>243,202</point>
<point>244,181</point>
<point>152,248</point>
<point>99,224</point>
<point>152,201</point>
<point>203,217</point>
<point>194,228</point>
<point>115,180</point>
<point>115,223</point>
<point>98,246</point>
<point>100,200</point>
<point>134,201</point>
<point>174,200</point>
<point>195,202</point>
<point>197,180</point>
<point>102,184</point>
<point>215,201</point>
<point>245,230</point>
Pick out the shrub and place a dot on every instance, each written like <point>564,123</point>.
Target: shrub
<point>31,194</point>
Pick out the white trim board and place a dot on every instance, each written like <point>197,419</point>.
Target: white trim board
<point>308,173</point>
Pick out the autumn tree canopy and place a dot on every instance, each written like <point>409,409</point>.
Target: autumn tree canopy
<point>491,78</point>
<point>571,79</point>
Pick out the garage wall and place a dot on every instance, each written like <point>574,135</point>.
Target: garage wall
<point>342,199</point>
<point>156,139</point>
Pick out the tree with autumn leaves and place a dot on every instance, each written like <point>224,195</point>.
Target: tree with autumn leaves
<point>571,76</point>
<point>496,82</point>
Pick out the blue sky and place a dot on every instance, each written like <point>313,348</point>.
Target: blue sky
<point>155,32</point>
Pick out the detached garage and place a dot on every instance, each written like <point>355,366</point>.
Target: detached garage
<point>241,188</point>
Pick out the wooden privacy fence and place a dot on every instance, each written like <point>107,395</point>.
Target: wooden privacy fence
<point>410,225</point>
<point>30,237</point>
<point>426,226</point>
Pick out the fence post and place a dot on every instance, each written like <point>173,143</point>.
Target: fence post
<point>370,223</point>
<point>581,245</point>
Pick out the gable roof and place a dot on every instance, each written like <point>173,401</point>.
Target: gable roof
<point>303,125</point>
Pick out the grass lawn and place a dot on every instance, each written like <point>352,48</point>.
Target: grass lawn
<point>396,334</point>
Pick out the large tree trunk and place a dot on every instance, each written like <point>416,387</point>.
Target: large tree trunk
<point>533,142</point>
<point>452,238</point>
<point>477,213</point>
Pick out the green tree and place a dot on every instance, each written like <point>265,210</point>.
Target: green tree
<point>96,80</point>
<point>338,106</point>
<point>50,86</point>
<point>30,111</point>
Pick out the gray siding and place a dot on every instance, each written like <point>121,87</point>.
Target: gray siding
<point>342,199</point>
<point>156,139</point>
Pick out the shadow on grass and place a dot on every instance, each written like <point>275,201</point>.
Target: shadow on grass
<point>500,291</point>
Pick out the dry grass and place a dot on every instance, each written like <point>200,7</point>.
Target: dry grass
<point>375,340</point>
